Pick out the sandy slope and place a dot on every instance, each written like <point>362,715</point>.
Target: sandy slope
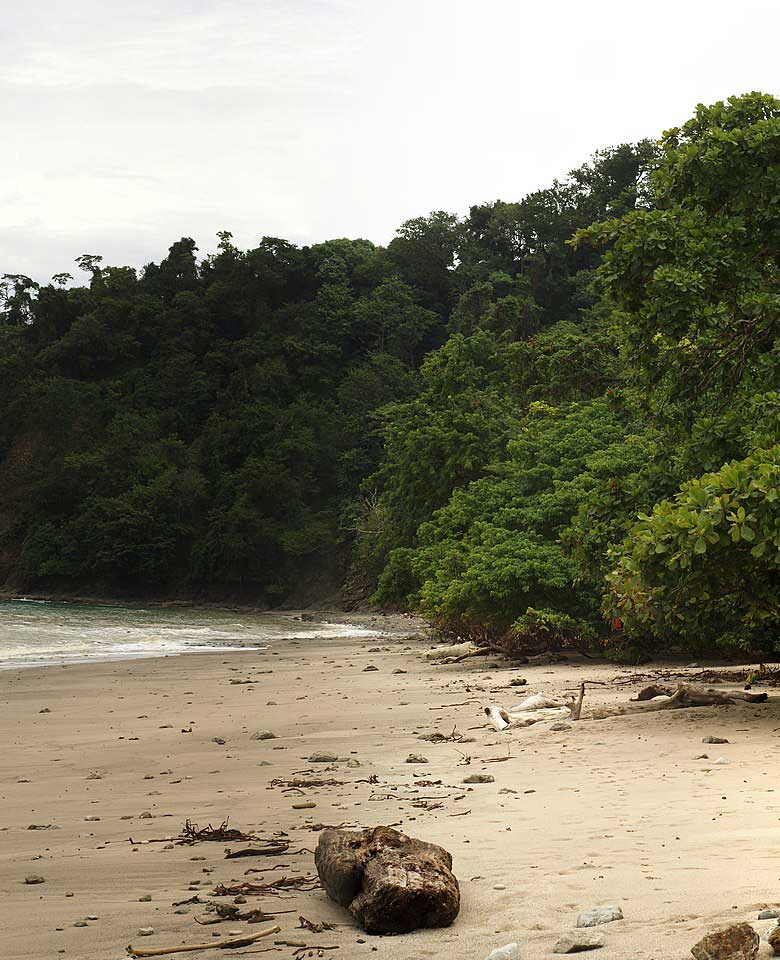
<point>610,811</point>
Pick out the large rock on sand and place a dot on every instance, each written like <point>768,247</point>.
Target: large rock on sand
<point>774,940</point>
<point>737,942</point>
<point>390,883</point>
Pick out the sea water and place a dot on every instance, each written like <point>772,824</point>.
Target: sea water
<point>36,632</point>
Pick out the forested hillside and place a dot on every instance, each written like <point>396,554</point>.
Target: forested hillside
<point>554,418</point>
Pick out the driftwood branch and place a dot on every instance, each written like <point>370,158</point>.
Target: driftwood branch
<point>576,708</point>
<point>676,698</point>
<point>660,690</point>
<point>645,706</point>
<point>228,944</point>
<point>272,850</point>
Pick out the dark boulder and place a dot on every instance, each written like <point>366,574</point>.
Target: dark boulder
<point>737,942</point>
<point>390,883</point>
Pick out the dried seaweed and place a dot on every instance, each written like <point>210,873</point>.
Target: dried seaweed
<point>191,833</point>
<point>315,927</point>
<point>274,887</point>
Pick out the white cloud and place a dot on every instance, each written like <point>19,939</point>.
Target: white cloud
<point>128,126</point>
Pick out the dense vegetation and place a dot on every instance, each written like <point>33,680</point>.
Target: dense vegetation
<point>555,419</point>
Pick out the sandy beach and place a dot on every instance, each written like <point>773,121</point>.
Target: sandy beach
<point>612,811</point>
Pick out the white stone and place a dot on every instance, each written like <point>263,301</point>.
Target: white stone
<point>597,915</point>
<point>510,952</point>
<point>578,942</point>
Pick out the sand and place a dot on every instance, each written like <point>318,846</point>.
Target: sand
<point>613,811</point>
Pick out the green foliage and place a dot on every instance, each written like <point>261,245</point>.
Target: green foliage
<point>426,419</point>
<point>694,291</point>
<point>545,630</point>
<point>494,550</point>
<point>705,564</point>
<point>694,281</point>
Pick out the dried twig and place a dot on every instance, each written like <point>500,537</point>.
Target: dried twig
<point>228,944</point>
<point>315,927</point>
<point>437,737</point>
<point>273,848</point>
<point>232,912</point>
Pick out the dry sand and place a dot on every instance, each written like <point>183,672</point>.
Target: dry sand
<point>612,811</point>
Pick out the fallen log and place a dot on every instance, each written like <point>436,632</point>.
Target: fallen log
<point>634,706</point>
<point>466,649</point>
<point>498,717</point>
<point>661,690</point>
<point>501,719</point>
<point>682,697</point>
<point>390,883</point>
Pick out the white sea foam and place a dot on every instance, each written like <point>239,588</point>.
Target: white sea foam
<point>35,633</point>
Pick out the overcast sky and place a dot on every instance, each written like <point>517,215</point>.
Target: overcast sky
<point>129,125</point>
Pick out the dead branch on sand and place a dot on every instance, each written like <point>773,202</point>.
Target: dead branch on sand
<point>664,690</point>
<point>230,943</point>
<point>576,707</point>
<point>683,696</point>
<point>273,848</point>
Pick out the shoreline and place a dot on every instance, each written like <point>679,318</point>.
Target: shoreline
<point>265,627</point>
<point>573,818</point>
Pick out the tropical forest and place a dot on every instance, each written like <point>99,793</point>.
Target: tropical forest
<point>553,420</point>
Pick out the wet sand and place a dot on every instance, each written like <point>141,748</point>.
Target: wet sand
<point>611,811</point>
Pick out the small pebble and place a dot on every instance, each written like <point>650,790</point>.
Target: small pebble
<point>146,932</point>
